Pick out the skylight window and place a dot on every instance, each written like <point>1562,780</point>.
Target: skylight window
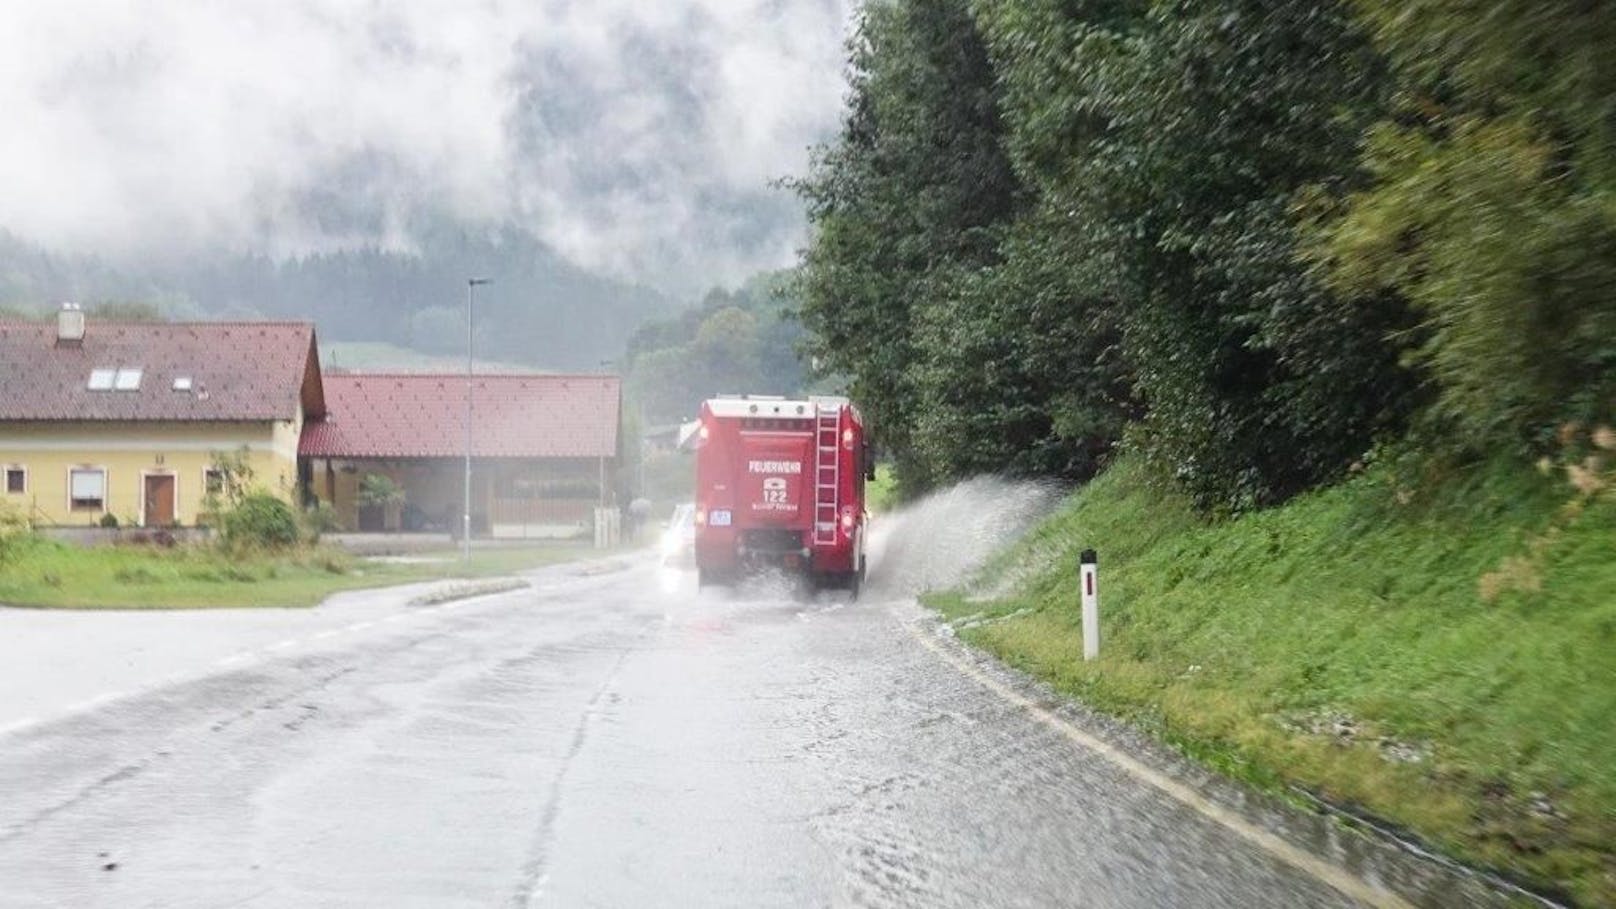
<point>101,379</point>
<point>128,379</point>
<point>182,383</point>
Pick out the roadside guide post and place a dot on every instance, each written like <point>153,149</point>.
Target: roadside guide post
<point>1088,570</point>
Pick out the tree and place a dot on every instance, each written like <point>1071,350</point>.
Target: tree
<point>229,479</point>
<point>741,341</point>
<point>1024,372</point>
<point>916,182</point>
<point>725,350</point>
<point>380,490</point>
<point>1491,211</point>
<point>1169,143</point>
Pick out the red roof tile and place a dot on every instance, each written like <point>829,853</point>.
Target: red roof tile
<point>375,415</point>
<point>238,371</point>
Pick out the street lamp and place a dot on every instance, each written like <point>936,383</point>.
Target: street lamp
<point>465,526</point>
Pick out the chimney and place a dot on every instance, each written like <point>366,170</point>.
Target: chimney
<point>70,325</point>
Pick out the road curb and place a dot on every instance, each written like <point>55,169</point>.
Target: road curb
<point>466,590</point>
<point>1114,739</point>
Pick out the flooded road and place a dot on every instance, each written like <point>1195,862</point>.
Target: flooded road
<point>609,737</point>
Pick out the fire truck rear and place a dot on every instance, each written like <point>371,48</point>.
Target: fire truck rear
<point>780,484</point>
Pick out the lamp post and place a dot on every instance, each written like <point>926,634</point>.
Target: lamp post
<point>465,526</point>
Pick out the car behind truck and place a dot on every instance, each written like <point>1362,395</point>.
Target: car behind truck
<point>780,484</point>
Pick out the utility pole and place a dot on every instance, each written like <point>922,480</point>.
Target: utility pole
<point>465,525</point>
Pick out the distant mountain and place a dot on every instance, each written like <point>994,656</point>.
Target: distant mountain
<point>540,310</point>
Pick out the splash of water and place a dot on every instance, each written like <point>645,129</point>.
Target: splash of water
<point>943,539</point>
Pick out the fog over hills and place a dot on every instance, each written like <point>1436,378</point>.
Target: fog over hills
<point>354,162</point>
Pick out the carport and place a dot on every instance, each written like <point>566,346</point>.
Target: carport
<point>545,452</point>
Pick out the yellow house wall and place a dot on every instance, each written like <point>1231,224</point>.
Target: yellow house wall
<point>48,451</point>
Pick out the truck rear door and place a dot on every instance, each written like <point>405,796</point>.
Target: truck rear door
<point>775,486</point>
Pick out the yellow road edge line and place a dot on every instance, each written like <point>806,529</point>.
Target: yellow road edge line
<point>1325,872</point>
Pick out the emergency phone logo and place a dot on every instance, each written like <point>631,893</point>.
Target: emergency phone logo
<point>776,496</point>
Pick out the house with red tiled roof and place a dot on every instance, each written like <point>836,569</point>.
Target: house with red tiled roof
<point>125,418</point>
<point>128,419</point>
<point>544,450</point>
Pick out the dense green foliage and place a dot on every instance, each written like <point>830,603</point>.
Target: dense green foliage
<point>1263,235</point>
<point>908,198</point>
<point>380,489</point>
<point>1494,209</point>
<point>736,342</point>
<point>1437,654</point>
<point>260,520</point>
<point>1258,381</point>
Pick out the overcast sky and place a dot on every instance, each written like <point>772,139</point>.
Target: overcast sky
<point>635,136</point>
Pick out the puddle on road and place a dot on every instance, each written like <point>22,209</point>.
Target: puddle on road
<point>937,542</point>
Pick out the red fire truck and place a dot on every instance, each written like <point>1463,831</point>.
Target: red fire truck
<point>780,483</point>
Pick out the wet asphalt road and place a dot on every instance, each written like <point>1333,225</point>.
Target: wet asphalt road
<point>606,738</point>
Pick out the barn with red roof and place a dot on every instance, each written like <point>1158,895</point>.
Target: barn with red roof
<point>544,450</point>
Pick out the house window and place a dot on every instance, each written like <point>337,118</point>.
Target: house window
<point>124,378</point>
<point>88,489</point>
<point>213,482</point>
<point>16,480</point>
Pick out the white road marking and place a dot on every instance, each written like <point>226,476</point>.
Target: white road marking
<point>282,645</point>
<point>83,706</point>
<point>23,723</point>
<point>328,633</point>
<point>360,626</point>
<point>1278,848</point>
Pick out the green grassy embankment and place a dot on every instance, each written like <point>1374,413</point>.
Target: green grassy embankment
<point>1444,658</point>
<point>45,574</point>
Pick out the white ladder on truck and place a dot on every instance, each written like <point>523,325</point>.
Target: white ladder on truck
<point>827,475</point>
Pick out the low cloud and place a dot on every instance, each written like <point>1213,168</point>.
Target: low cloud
<point>636,138</point>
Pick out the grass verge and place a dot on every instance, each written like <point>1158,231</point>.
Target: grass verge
<point>1443,658</point>
<point>45,574</point>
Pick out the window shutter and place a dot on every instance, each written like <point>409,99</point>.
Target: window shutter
<point>89,484</point>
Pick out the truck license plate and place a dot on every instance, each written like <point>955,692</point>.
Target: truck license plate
<point>719,519</point>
